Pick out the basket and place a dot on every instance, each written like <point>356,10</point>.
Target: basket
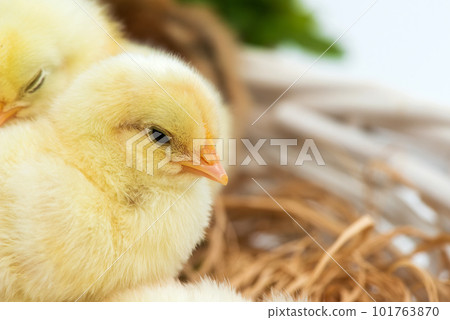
<point>371,225</point>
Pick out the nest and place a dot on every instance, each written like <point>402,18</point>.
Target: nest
<point>314,246</point>
<point>353,230</point>
<point>370,225</point>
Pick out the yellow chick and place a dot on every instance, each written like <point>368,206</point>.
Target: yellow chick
<point>76,220</point>
<point>204,291</point>
<point>43,45</point>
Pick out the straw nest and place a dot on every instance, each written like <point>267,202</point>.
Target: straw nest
<point>364,227</point>
<point>319,249</point>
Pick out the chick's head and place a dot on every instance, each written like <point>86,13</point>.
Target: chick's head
<point>143,120</point>
<point>43,45</point>
<point>24,73</point>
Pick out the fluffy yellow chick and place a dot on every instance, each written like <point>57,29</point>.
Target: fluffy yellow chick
<point>43,45</point>
<point>204,291</point>
<point>70,206</point>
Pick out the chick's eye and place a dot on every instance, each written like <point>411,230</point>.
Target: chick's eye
<point>158,136</point>
<point>36,82</point>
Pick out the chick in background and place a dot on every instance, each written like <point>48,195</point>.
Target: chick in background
<point>43,45</point>
<point>70,206</point>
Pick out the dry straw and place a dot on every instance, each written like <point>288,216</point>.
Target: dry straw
<point>256,246</point>
<point>379,208</point>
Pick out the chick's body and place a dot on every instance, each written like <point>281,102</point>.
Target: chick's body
<point>70,206</point>
<point>44,45</point>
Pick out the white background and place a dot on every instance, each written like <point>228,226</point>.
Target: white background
<point>403,44</point>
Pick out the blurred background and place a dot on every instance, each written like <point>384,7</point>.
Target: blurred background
<point>398,43</point>
<point>376,105</point>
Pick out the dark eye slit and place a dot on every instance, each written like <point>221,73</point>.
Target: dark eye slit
<point>36,83</point>
<point>158,136</point>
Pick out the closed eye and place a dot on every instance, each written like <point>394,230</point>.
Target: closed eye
<point>36,82</point>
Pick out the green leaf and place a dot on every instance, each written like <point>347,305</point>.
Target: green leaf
<point>269,23</point>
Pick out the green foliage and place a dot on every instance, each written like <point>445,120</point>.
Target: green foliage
<point>271,22</point>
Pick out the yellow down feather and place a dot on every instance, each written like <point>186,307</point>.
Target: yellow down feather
<point>44,44</point>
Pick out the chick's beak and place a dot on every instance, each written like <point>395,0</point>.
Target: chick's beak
<point>209,167</point>
<point>5,116</point>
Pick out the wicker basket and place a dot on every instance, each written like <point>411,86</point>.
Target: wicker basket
<point>371,225</point>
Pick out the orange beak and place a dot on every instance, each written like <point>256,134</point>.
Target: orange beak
<point>209,167</point>
<point>5,116</point>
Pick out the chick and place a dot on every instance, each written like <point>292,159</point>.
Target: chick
<point>77,222</point>
<point>43,46</point>
<point>204,291</point>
